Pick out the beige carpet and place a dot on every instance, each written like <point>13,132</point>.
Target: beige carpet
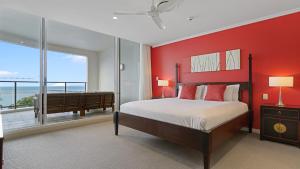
<point>95,147</point>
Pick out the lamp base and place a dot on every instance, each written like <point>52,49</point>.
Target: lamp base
<point>280,103</point>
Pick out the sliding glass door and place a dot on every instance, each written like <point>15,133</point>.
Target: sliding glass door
<point>80,71</point>
<point>52,72</point>
<point>20,59</point>
<point>129,70</point>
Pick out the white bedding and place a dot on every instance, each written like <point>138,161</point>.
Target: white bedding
<point>196,114</point>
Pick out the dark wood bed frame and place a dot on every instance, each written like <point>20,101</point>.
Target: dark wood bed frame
<point>206,142</point>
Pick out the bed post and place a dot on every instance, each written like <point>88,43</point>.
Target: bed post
<point>206,158</point>
<point>207,149</point>
<point>250,90</point>
<point>116,121</point>
<point>177,79</point>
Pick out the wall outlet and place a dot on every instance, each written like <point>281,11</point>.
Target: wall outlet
<point>265,96</point>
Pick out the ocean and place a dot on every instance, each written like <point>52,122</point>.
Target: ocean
<point>7,93</point>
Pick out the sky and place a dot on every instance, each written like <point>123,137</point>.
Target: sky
<point>22,63</point>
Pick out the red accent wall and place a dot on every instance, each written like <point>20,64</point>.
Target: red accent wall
<point>274,44</point>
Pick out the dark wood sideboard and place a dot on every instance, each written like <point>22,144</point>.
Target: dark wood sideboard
<point>1,142</point>
<point>74,102</point>
<point>280,124</point>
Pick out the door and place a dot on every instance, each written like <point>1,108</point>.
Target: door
<point>129,70</point>
<point>20,69</point>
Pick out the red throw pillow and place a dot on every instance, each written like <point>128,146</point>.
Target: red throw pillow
<point>215,92</point>
<point>188,92</point>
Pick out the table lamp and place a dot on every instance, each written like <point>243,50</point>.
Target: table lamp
<point>281,81</point>
<point>163,83</point>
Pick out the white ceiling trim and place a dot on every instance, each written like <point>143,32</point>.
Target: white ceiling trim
<point>230,27</point>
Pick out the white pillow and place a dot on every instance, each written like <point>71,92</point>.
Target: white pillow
<point>204,92</point>
<point>232,93</point>
<point>179,91</point>
<point>201,92</point>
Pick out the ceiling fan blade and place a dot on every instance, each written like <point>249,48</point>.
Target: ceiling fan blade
<point>168,5</point>
<point>158,22</point>
<point>130,13</point>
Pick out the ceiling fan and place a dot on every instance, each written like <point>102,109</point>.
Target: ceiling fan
<point>157,7</point>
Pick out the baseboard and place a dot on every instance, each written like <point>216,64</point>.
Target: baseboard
<point>10,135</point>
<point>255,131</point>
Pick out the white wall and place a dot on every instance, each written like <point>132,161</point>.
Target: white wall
<point>106,69</point>
<point>93,73</point>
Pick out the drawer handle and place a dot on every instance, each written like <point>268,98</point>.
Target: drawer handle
<point>280,128</point>
<point>279,112</point>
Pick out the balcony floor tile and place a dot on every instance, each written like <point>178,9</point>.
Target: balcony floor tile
<point>17,120</point>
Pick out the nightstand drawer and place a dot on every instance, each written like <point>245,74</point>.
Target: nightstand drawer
<point>281,129</point>
<point>282,112</point>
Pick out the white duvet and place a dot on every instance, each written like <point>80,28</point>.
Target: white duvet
<point>196,114</point>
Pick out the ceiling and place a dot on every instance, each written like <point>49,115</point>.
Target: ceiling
<point>211,15</point>
<point>23,28</point>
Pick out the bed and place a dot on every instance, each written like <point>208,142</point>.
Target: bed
<point>203,125</point>
<point>196,114</point>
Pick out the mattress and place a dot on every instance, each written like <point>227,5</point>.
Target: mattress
<point>197,114</point>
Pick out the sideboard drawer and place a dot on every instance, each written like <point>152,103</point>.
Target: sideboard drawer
<point>285,113</point>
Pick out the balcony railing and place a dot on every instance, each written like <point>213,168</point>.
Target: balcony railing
<point>17,94</point>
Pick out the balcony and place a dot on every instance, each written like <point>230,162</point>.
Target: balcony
<point>19,94</point>
<point>16,103</point>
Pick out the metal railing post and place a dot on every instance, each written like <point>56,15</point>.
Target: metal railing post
<point>15,94</point>
<point>65,87</point>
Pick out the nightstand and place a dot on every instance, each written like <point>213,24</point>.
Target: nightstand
<point>280,124</point>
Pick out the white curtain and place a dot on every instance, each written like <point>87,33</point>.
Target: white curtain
<point>145,87</point>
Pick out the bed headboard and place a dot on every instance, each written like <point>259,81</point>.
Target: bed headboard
<point>244,86</point>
